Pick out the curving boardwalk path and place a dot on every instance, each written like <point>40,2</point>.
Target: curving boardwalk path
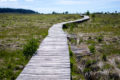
<point>52,59</point>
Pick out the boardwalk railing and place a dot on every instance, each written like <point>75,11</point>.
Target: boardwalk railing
<point>52,59</point>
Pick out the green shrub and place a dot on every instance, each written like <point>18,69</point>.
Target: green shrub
<point>30,48</point>
<point>118,66</point>
<point>86,70</point>
<point>87,13</point>
<point>107,66</point>
<point>100,38</point>
<point>73,63</point>
<point>11,59</point>
<point>92,48</point>
<point>89,63</point>
<point>73,40</point>
<point>4,25</point>
<point>91,42</point>
<point>117,63</point>
<point>70,52</point>
<point>71,26</point>
<point>104,57</point>
<point>93,15</point>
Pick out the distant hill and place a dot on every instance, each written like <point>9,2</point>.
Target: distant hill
<point>21,11</point>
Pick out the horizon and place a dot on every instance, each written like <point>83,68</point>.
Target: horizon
<point>60,6</point>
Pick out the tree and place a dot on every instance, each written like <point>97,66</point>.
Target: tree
<point>54,12</point>
<point>87,13</point>
<point>115,11</point>
<point>22,11</point>
<point>66,12</point>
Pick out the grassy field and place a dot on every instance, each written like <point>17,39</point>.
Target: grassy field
<point>101,35</point>
<point>18,34</point>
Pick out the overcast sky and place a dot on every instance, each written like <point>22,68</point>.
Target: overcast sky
<point>73,6</point>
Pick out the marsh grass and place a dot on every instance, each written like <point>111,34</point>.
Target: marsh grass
<point>92,48</point>
<point>104,57</point>
<point>102,35</point>
<point>16,46</point>
<point>100,23</point>
<point>11,63</point>
<point>107,66</point>
<point>30,48</point>
<point>75,72</point>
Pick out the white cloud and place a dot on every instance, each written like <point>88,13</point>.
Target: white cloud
<point>29,0</point>
<point>72,2</point>
<point>83,2</point>
<point>7,0</point>
<point>3,0</point>
<point>12,0</point>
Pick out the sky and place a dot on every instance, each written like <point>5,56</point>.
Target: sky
<point>72,6</point>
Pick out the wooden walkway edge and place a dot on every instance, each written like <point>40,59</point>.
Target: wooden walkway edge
<point>52,59</point>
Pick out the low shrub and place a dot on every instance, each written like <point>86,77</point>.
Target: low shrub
<point>100,38</point>
<point>104,57</point>
<point>10,59</point>
<point>91,41</point>
<point>30,48</point>
<point>89,63</point>
<point>92,48</point>
<point>70,52</point>
<point>86,70</point>
<point>117,63</point>
<point>107,66</point>
<point>93,15</point>
<point>4,25</point>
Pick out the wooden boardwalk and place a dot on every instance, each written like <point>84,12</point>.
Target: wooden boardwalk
<point>52,59</point>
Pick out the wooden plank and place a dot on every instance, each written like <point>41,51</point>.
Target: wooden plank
<point>52,59</point>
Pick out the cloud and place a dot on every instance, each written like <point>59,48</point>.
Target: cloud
<point>45,10</point>
<point>29,0</point>
<point>83,2</point>
<point>12,0</point>
<point>3,0</point>
<point>72,2</point>
<point>7,0</point>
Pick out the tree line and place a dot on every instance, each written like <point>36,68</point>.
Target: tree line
<point>22,11</point>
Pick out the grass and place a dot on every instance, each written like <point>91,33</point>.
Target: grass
<point>88,65</point>
<point>104,57</point>
<point>100,23</point>
<point>11,63</point>
<point>102,36</point>
<point>107,66</point>
<point>30,48</point>
<point>117,63</point>
<point>92,48</point>
<point>16,43</point>
<point>75,72</point>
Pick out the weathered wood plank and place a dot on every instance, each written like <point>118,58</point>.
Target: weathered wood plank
<point>52,59</point>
